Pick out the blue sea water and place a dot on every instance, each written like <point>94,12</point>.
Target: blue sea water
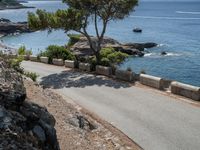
<point>175,26</point>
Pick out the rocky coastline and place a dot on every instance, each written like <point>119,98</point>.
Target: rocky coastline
<point>82,48</point>
<point>7,27</point>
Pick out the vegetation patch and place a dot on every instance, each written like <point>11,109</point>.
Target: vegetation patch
<point>23,51</point>
<point>73,39</point>
<point>31,75</point>
<point>58,52</point>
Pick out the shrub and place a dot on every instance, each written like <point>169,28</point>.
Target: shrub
<point>110,57</point>
<point>22,50</point>
<point>31,75</point>
<point>73,38</point>
<point>59,52</point>
<point>15,64</point>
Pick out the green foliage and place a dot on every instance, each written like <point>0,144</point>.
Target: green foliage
<point>31,75</point>
<point>22,51</point>
<point>74,38</point>
<point>110,57</point>
<point>79,14</point>
<point>59,52</point>
<point>15,64</point>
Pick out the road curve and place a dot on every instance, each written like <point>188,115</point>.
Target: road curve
<point>153,120</point>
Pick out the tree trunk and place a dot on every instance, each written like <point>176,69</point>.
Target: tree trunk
<point>98,58</point>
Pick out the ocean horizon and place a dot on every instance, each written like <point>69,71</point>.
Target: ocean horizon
<point>175,28</point>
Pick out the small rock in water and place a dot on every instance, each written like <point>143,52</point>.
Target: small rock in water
<point>138,30</point>
<point>163,53</point>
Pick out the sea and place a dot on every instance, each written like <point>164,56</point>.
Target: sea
<point>175,26</point>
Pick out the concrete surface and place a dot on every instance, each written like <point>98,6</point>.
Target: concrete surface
<point>107,71</point>
<point>151,81</point>
<point>186,90</point>
<point>154,120</point>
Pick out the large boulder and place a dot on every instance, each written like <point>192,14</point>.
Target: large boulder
<point>23,125</point>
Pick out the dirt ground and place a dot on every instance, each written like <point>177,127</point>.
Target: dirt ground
<point>77,128</point>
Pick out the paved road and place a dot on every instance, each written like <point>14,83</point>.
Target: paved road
<point>153,120</point>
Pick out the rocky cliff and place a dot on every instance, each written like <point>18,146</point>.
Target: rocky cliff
<point>23,125</point>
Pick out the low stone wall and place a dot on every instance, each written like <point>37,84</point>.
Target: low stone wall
<point>33,58</point>
<point>151,81</point>
<point>107,71</point>
<point>186,90</point>
<point>85,67</point>
<point>70,64</point>
<point>44,60</point>
<point>124,75</point>
<point>58,62</point>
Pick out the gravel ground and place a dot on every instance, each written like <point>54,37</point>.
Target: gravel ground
<point>78,129</point>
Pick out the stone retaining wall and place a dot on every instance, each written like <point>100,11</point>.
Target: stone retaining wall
<point>33,58</point>
<point>186,90</point>
<point>124,75</point>
<point>70,64</point>
<point>107,71</point>
<point>85,67</point>
<point>151,81</point>
<point>44,60</point>
<point>58,62</point>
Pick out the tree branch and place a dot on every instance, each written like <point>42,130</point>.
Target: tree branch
<point>96,26</point>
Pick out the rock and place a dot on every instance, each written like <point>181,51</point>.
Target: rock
<point>82,48</point>
<point>163,53</point>
<point>140,46</point>
<point>23,125</point>
<point>81,122</point>
<point>137,30</point>
<point>4,20</point>
<point>8,27</point>
<point>39,133</point>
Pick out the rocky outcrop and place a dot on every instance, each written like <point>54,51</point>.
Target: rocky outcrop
<point>8,27</point>
<point>82,48</point>
<point>23,125</point>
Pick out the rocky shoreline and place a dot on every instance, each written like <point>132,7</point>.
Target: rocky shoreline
<point>7,27</point>
<point>15,7</point>
<point>82,48</point>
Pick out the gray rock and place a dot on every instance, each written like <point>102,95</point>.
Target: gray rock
<point>82,47</point>
<point>39,133</point>
<point>20,121</point>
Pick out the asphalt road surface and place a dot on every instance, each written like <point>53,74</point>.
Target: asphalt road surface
<point>153,120</point>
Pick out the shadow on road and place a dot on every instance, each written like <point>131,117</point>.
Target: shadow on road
<point>78,80</point>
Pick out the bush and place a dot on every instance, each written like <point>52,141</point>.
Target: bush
<point>31,75</point>
<point>59,52</point>
<point>110,57</point>
<point>74,38</point>
<point>22,51</point>
<point>15,64</point>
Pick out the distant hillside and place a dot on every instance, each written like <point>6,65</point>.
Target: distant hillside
<point>9,3</point>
